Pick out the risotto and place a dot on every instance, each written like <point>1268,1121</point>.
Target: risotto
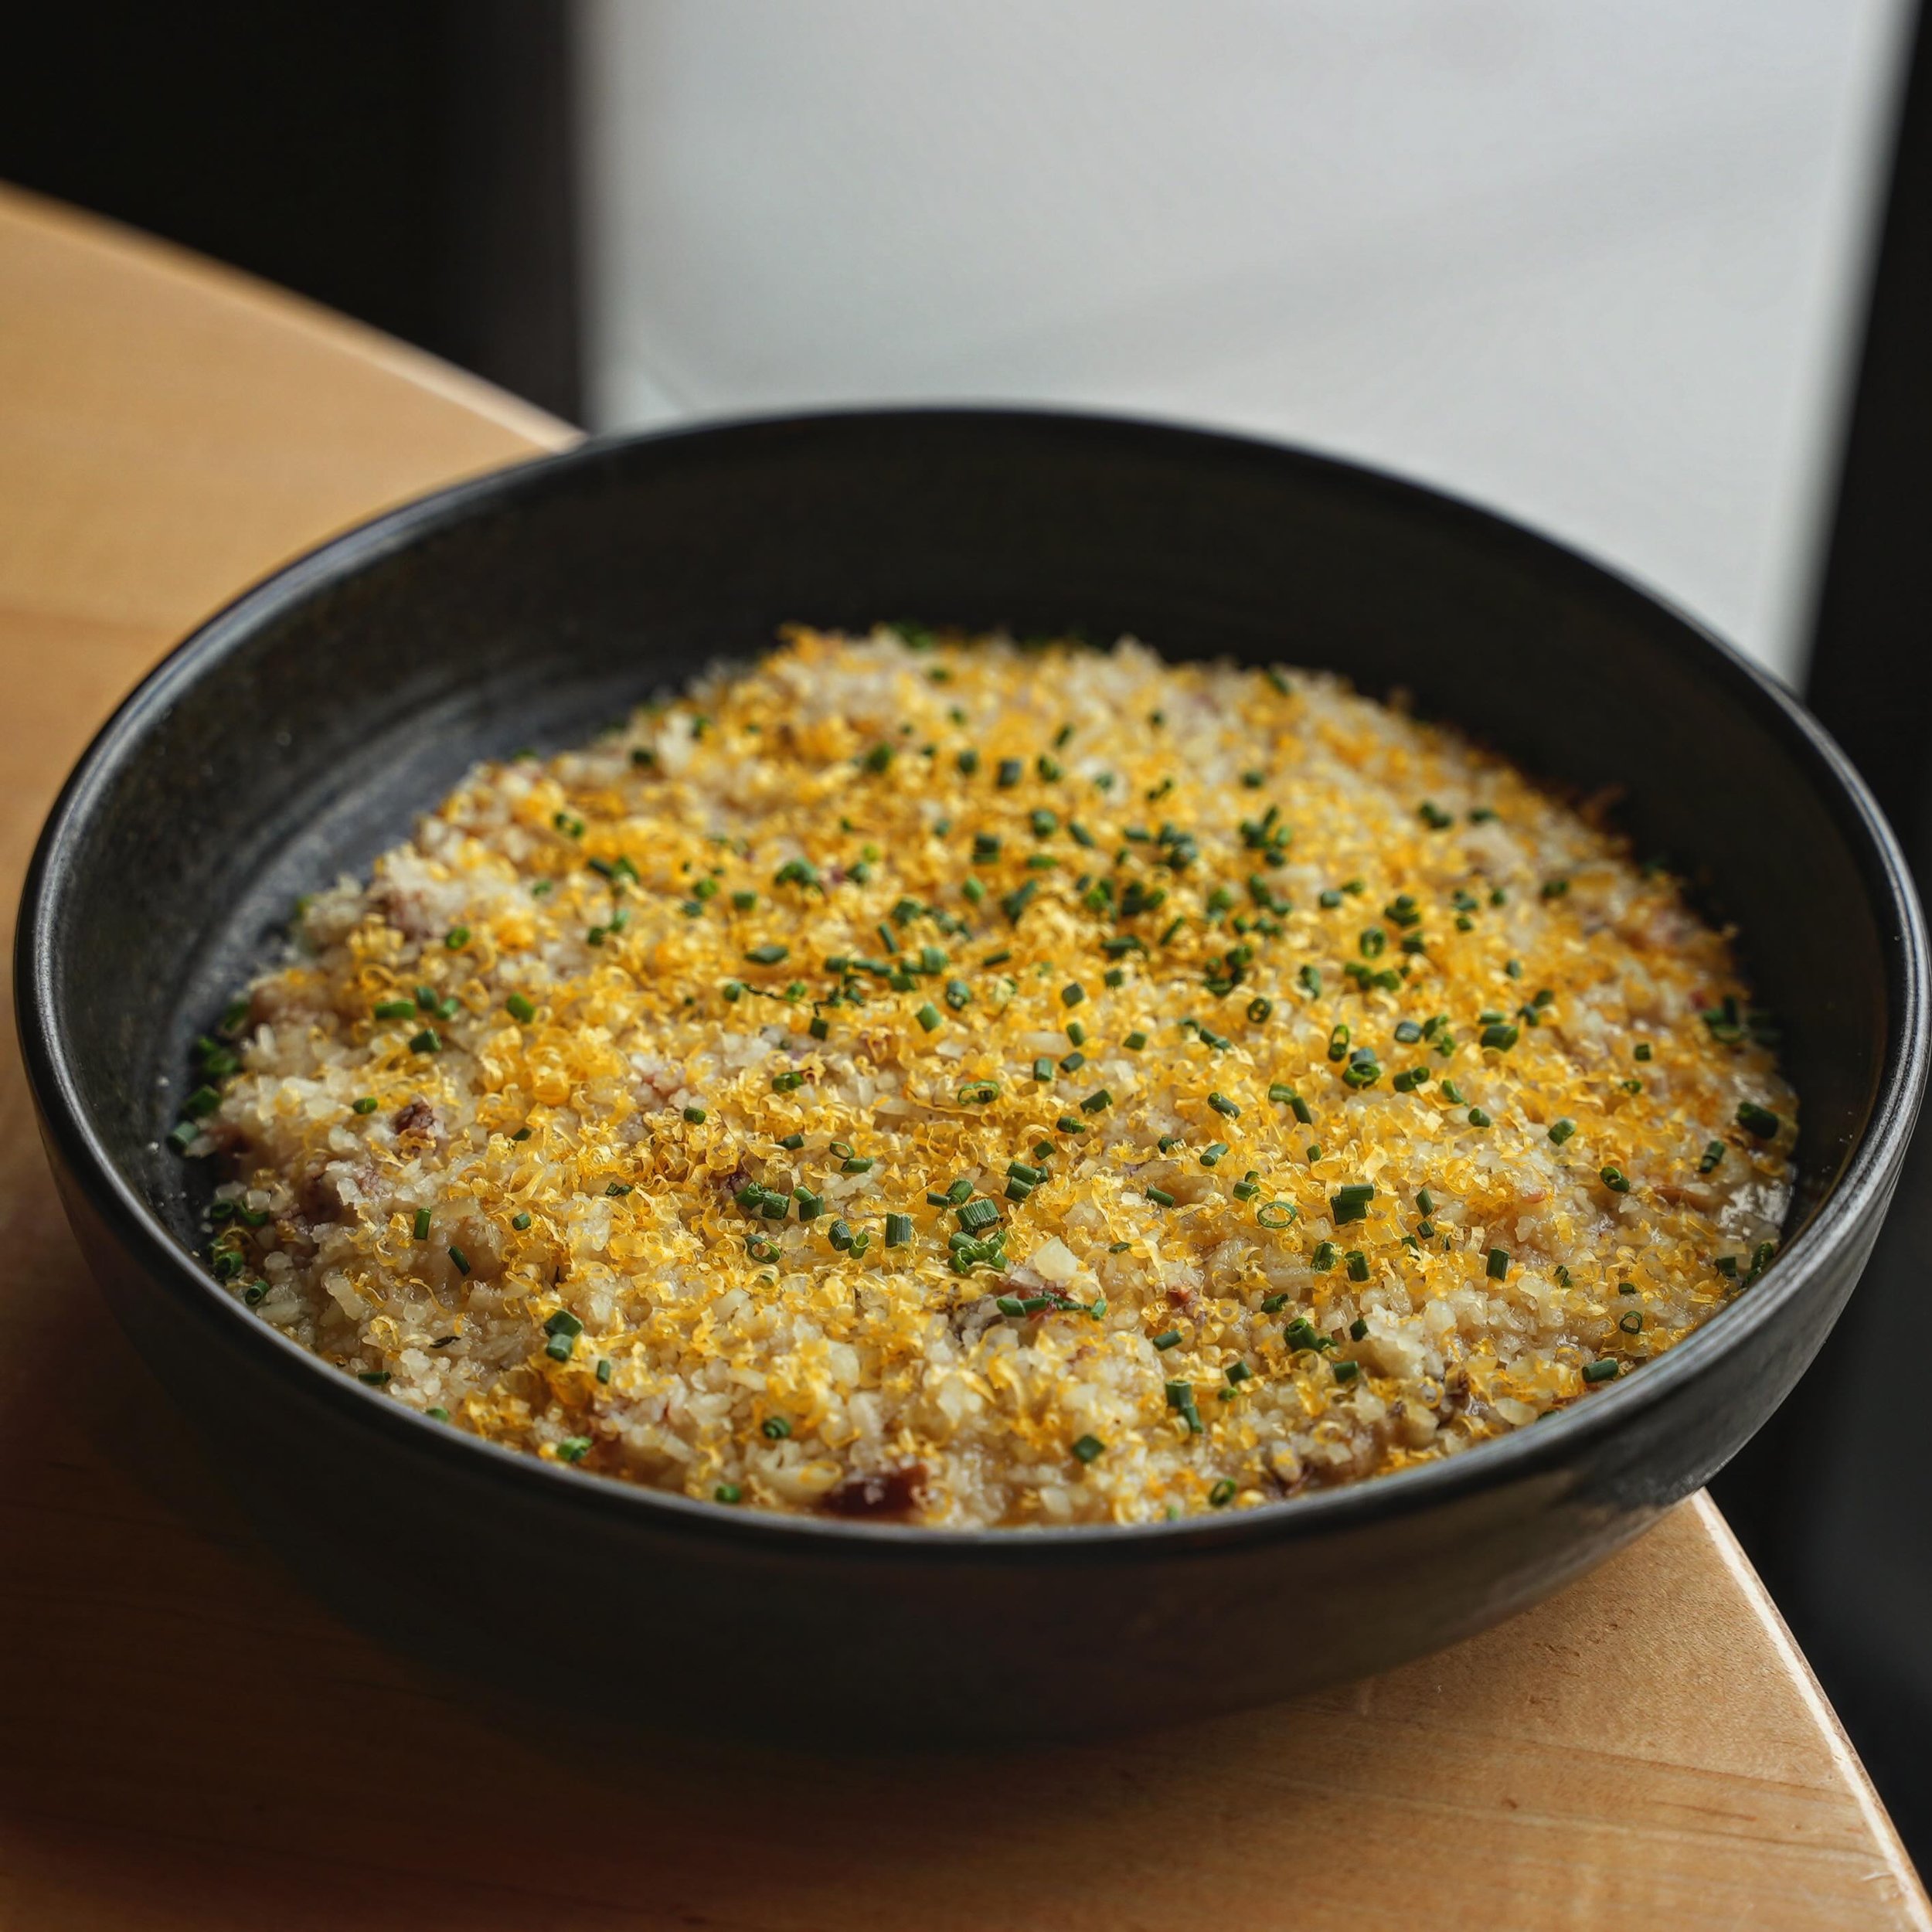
<point>951,1081</point>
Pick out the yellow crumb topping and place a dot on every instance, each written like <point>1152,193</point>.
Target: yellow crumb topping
<point>933,1078</point>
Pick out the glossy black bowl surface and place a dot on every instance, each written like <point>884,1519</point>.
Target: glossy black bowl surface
<point>296,734</point>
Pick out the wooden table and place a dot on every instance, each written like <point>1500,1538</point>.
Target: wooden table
<point>189,1742</point>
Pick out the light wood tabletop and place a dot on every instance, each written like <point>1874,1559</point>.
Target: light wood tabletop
<point>189,1742</point>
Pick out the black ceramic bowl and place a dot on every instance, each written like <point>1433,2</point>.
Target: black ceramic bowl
<point>294,736</point>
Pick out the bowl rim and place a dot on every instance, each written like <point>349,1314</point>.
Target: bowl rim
<point>1862,1186</point>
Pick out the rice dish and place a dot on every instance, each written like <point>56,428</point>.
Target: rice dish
<point>967,1083</point>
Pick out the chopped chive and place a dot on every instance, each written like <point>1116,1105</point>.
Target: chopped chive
<point>425,1042</point>
<point>928,1016</point>
<point>774,1428</point>
<point>1349,1204</point>
<point>520,1222</point>
<point>1478,1118</point>
<point>1347,1371</point>
<point>1497,1266</point>
<point>1615,1180</point>
<point>696,1115</point>
<point>395,1009</point>
<point>1171,1339</point>
<point>1602,1371</point>
<point>1097,1102</point>
<point>367,1104</point>
<point>1358,1264</point>
<point>1276,1214</point>
<point>767,955</point>
<point>520,1008</point>
<point>1088,1447</point>
<point>1160,1197</point>
<point>1222,1493</point>
<point>1560,1130</point>
<point>728,1492</point>
<point>422,1224</point>
<point>1713,1153</point>
<point>898,1230</point>
<point>1760,1120</point>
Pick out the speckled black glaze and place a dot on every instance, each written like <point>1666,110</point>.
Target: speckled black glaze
<point>295,735</point>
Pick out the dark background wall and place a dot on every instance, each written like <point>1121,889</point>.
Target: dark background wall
<point>407,162</point>
<point>411,163</point>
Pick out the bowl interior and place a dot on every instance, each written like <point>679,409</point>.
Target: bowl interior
<point>310,723</point>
